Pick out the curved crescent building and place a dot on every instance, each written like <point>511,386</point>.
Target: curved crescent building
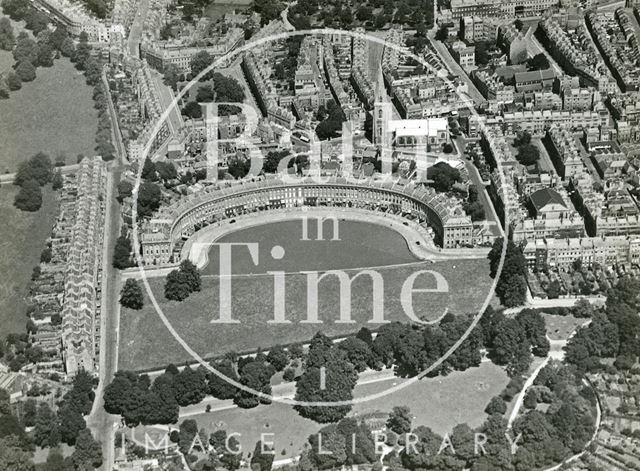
<point>179,221</point>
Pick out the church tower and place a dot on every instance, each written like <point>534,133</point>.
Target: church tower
<point>381,114</point>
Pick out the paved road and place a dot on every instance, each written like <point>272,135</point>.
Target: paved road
<point>101,423</point>
<point>116,133</point>
<point>135,33</point>
<point>9,177</point>
<point>490,212</point>
<point>282,391</point>
<point>167,97</point>
<point>560,302</point>
<point>534,47</point>
<point>455,69</point>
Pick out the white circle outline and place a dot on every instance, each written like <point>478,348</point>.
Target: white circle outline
<point>134,216</point>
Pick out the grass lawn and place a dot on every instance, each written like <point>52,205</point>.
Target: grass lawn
<point>54,114</point>
<point>561,327</point>
<point>22,238</point>
<point>145,343</point>
<point>218,8</point>
<point>443,402</point>
<point>439,403</point>
<point>361,244</point>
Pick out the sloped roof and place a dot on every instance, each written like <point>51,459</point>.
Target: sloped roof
<point>546,196</point>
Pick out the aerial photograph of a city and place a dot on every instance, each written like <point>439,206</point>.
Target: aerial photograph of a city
<point>319,235</point>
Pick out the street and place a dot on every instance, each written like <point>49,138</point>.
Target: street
<point>282,391</point>
<point>101,423</point>
<point>455,69</point>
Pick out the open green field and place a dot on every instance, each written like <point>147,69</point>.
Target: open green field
<point>145,342</point>
<point>439,403</point>
<point>361,244</point>
<point>22,238</point>
<point>217,9</point>
<point>561,327</point>
<point>53,114</point>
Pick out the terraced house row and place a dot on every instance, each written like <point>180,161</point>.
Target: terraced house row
<point>82,293</point>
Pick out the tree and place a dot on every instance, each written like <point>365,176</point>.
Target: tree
<point>149,197</point>
<point>200,62</point>
<point>278,357</point>
<point>46,432</point>
<point>289,374</point>
<point>88,452</point>
<point>190,386</point>
<point>166,171</point>
<point>172,76</point>
<point>358,352</point>
<point>496,406</point>
<point>519,24</point>
<point>443,33</point>
<point>192,110</point>
<point>444,176</point>
<point>26,49</point>
<point>340,378</point>
<point>528,154</point>
<point>131,295</point>
<point>58,181</point>
<point>255,375</point>
<point>4,90</point>
<point>219,387</point>
<point>482,52</point>
<point>38,168</point>
<point>68,48</point>
<point>29,198</point>
<point>13,457</point>
<point>36,21</point>
<point>534,327</point>
<point>7,38</point>
<point>262,458</point>
<point>14,82</point>
<point>191,275</point>
<point>205,94</point>
<point>125,190</point>
<point>149,172</point>
<point>553,290</point>
<point>122,253</point>
<point>364,13</point>
<point>26,71</point>
<point>530,399</point>
<point>82,55</point>
<point>512,286</point>
<point>45,55</point>
<point>272,160</point>
<point>92,71</point>
<point>57,37</point>
<point>187,434</point>
<point>71,423</point>
<point>538,62</point>
<point>176,287</point>
<point>400,420</point>
<point>511,347</point>
<point>227,89</point>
